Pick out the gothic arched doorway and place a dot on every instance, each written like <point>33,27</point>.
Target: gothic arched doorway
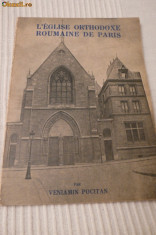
<point>61,144</point>
<point>62,139</point>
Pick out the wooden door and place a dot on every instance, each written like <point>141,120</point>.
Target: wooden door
<point>68,150</point>
<point>108,150</point>
<point>53,157</point>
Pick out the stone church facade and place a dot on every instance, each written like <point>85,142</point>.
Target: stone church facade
<point>72,124</point>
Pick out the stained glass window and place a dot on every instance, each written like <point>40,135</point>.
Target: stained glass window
<point>61,87</point>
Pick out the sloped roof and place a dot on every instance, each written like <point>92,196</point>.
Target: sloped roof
<point>60,49</point>
<point>115,68</point>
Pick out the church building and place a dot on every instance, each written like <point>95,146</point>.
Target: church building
<point>66,120</point>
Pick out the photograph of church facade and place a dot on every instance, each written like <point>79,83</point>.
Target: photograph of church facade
<point>67,118</point>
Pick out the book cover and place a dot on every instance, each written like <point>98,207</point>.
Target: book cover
<point>79,124</point>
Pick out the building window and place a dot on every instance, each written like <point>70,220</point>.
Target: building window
<point>124,106</point>
<point>123,75</point>
<point>134,131</point>
<point>61,87</point>
<point>123,72</point>
<point>13,139</point>
<point>136,106</point>
<point>61,52</point>
<point>132,89</point>
<point>106,133</point>
<point>122,90</point>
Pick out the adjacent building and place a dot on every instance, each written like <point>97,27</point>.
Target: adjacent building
<point>125,120</point>
<point>74,125</point>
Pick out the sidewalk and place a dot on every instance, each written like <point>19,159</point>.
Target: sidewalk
<point>43,167</point>
<point>120,180</point>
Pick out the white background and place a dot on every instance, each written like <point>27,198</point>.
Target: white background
<point>113,218</point>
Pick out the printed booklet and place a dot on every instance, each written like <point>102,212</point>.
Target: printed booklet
<point>79,126</point>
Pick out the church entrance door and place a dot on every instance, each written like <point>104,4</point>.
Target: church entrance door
<point>53,159</point>
<point>68,150</point>
<point>61,144</point>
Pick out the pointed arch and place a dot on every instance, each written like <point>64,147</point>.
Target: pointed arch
<point>57,116</point>
<point>61,86</point>
<point>61,128</point>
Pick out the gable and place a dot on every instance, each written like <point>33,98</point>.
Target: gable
<point>117,70</point>
<point>61,56</point>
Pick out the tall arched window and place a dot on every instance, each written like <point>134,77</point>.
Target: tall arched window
<point>61,87</point>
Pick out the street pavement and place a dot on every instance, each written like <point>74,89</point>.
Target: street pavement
<point>105,182</point>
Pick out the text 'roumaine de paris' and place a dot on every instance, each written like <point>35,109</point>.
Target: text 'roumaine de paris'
<point>66,30</point>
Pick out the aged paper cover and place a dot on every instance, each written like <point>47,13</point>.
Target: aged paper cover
<point>79,123</point>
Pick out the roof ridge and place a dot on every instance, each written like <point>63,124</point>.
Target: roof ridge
<point>61,43</point>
